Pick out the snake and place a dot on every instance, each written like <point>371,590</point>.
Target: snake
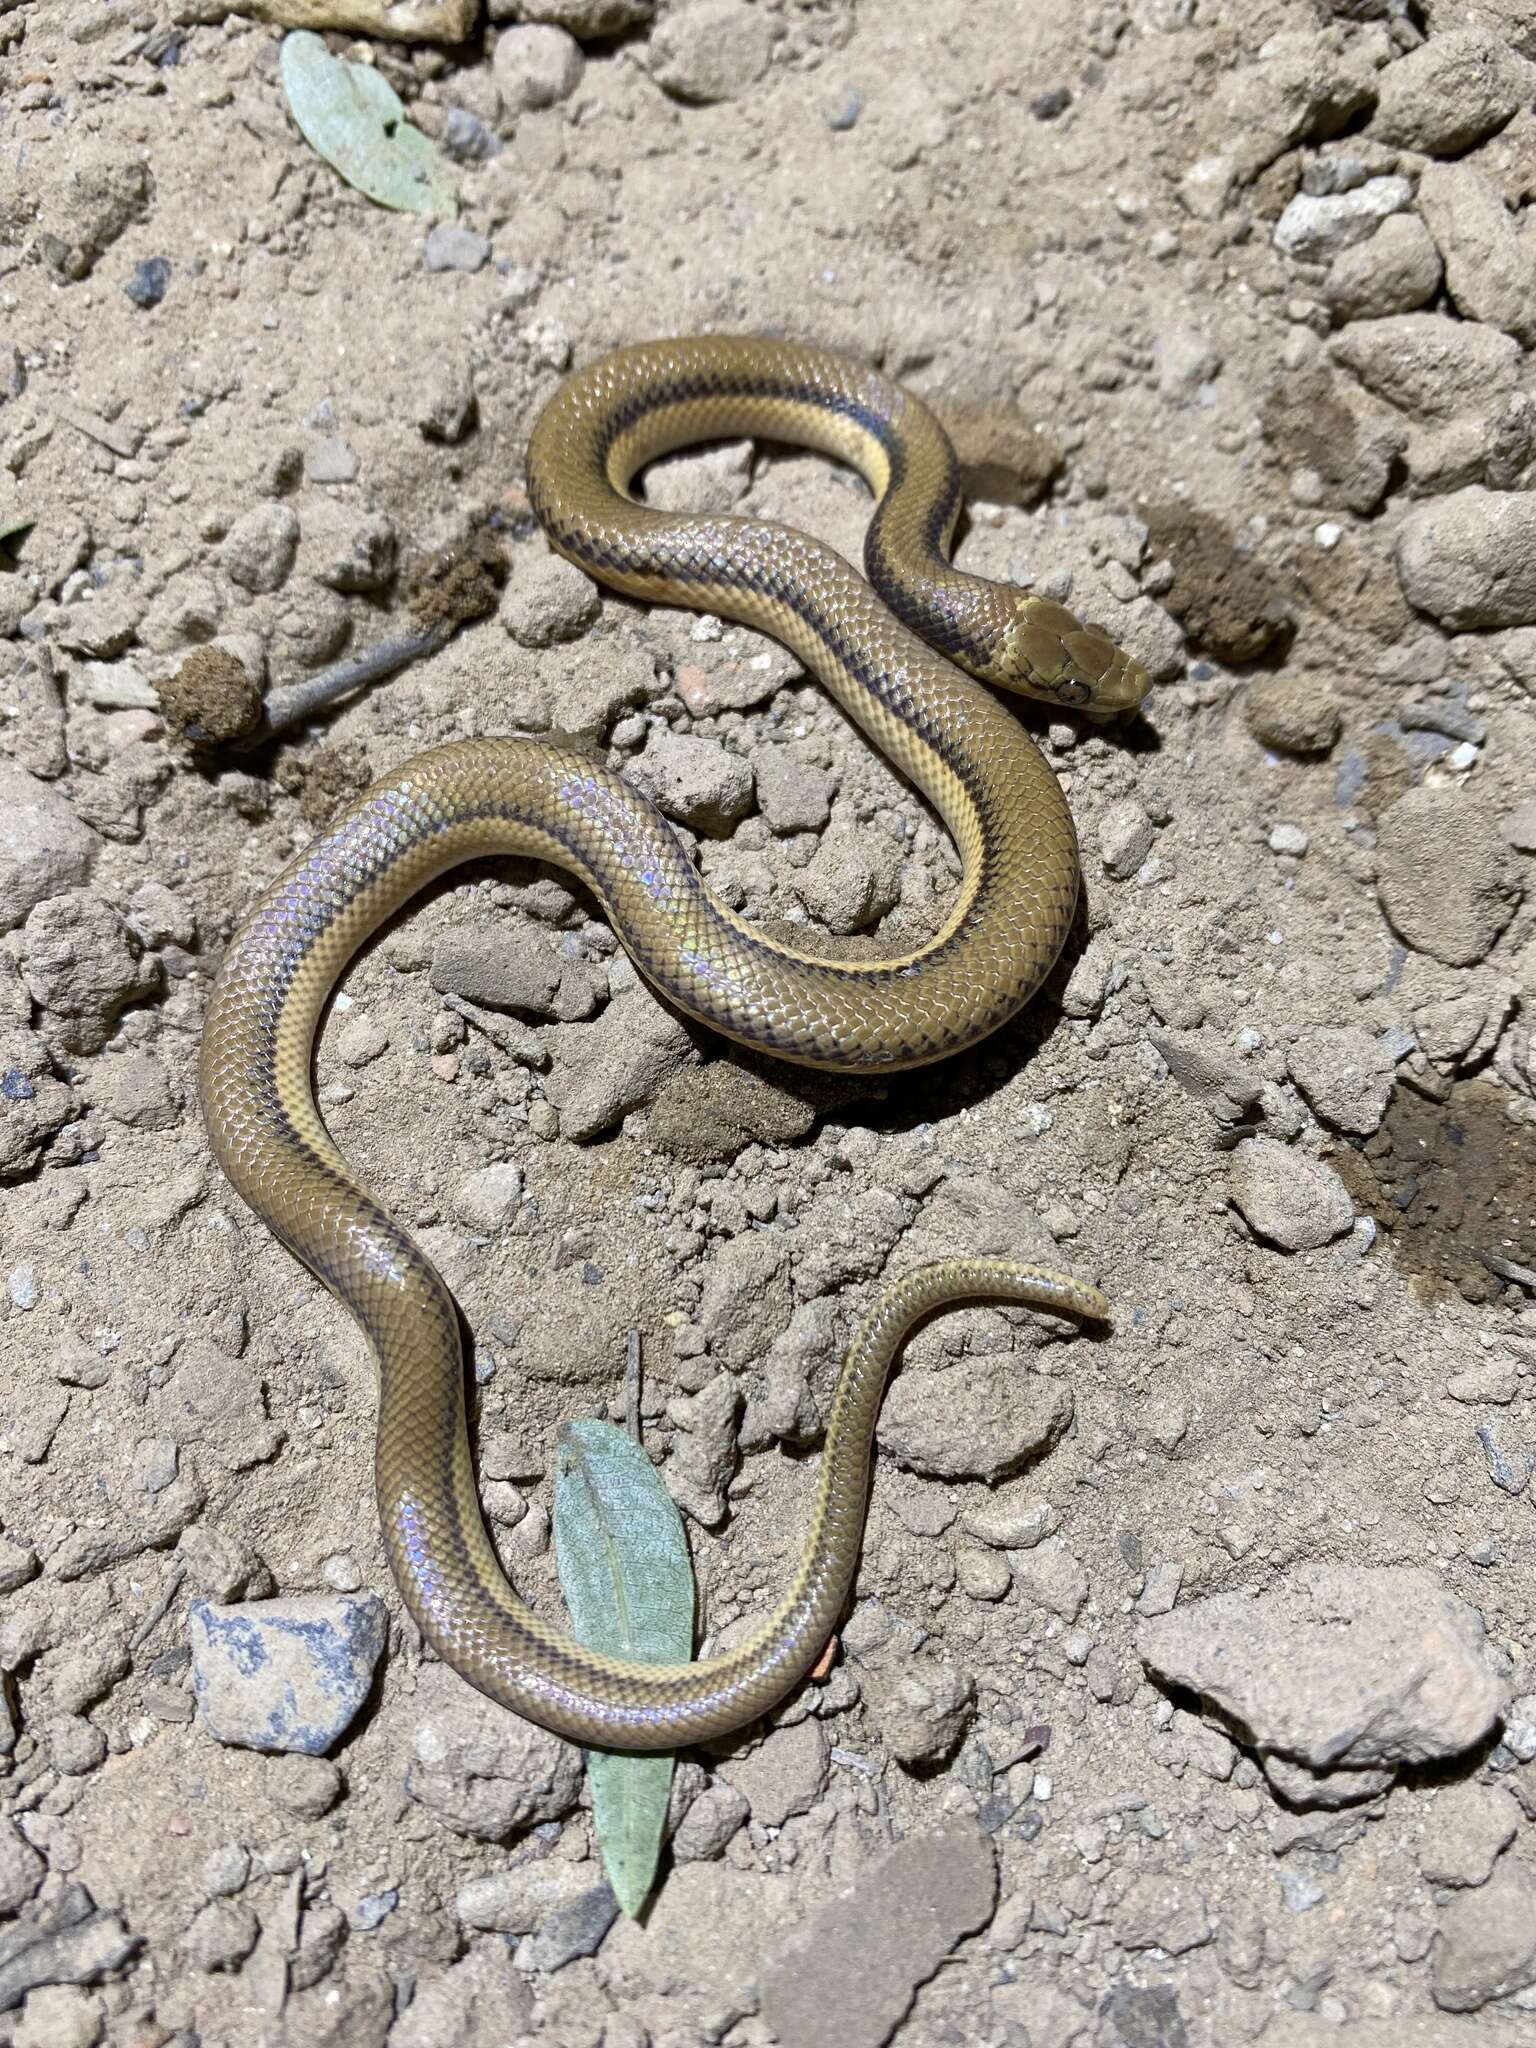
<point>908,654</point>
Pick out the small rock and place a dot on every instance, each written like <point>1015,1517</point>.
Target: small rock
<point>501,970</point>
<point>1429,367</point>
<point>220,1937</point>
<point>718,1813</point>
<point>482,1771</point>
<point>1469,560</point>
<point>1294,1202</point>
<point>852,879</point>
<point>478,2002</point>
<point>59,2016</point>
<point>1328,1790</point>
<point>746,1300</point>
<point>466,138</point>
<point>1396,271</point>
<point>571,1932</point>
<point>1014,1518</point>
<point>22,1870</point>
<point>308,1786</point>
<point>451,247</point>
<point>44,849</point>
<point>535,66</point>
<point>259,548</point>
<point>84,965</point>
<point>224,1870</point>
<point>287,1674</point>
<point>708,50</point>
<point>1467,1829</point>
<point>148,282</point>
<point>921,1709</point>
<point>360,1040</point>
<point>1346,1075</point>
<point>1295,714</point>
<point>487,1202</point>
<point>703,1460</point>
<point>695,781</point>
<point>1052,1577</point>
<point>520,1899</point>
<point>978,1418</point>
<point>786,1774</point>
<point>1289,839</point>
<point>793,795</point>
<point>1125,838</point>
<point>331,461</point>
<point>1458,87</point>
<point>1339,1667</point>
<point>448,408</point>
<point>1162,1910</point>
<point>615,1065</point>
<point>850,1973</point>
<point>1489,272</point>
<point>547,599</point>
<point>1485,1947</point>
<point>1315,230</point>
<point>1444,875</point>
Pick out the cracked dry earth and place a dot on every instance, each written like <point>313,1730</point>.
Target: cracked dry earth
<point>1187,1697</point>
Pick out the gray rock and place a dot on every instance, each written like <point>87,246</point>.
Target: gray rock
<point>1125,838</point>
<point>708,50</point>
<point>1294,714</point>
<point>547,599</point>
<point>615,1065</point>
<point>1316,229</point>
<point>451,247</point>
<point>1294,1202</point>
<point>1161,1909</point>
<point>1338,1667</point>
<point>571,1932</point>
<point>259,548</point>
<point>1485,1946</point>
<point>286,1674</point>
<point>1396,271</point>
<point>695,781</point>
<point>353,555</point>
<point>1013,1518</point>
<point>1446,879</point>
<point>1328,1790</point>
<point>784,1775</point>
<point>521,1898</point>
<point>1346,1075</point>
<point>479,2002</point>
<point>1051,1576</point>
<point>482,1771</point>
<point>794,795</point>
<point>220,1937</point>
<point>360,1041</point>
<point>1489,271</point>
<point>22,1870</point>
<point>503,970</point>
<point>980,1418</point>
<point>489,1199</point>
<point>65,1942</point>
<point>850,1972</point>
<point>84,965</point>
<point>1467,1829</point>
<point>711,1821</point>
<point>852,879</point>
<point>44,849</point>
<point>746,1299</point>
<point>1469,560</point>
<point>308,1786</point>
<point>1427,366</point>
<point>331,461</point>
<point>447,407</point>
<point>535,66</point>
<point>921,1708</point>
<point>1446,96</point>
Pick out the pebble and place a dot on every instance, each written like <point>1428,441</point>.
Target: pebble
<point>1489,273</point>
<point>519,1899</point>
<point>487,1202</point>
<point>44,848</point>
<point>501,970</point>
<point>148,282</point>
<point>22,1870</point>
<point>220,1936</point>
<point>467,139</point>
<point>1315,230</point>
<point>1338,1667</point>
<point>535,65</point>
<point>547,599</point>
<point>614,1065</point>
<point>1396,271</point>
<point>978,1419</point>
<point>711,1822</point>
<point>849,1972</point>
<point>1510,1470</point>
<point>573,1931</point>
<point>1429,367</point>
<point>1469,559</point>
<point>1444,875</point>
<point>1288,839</point>
<point>482,1771</point>
<point>1346,1074</point>
<point>1286,1198</point>
<point>307,1786</point>
<point>711,50</point>
<point>259,548</point>
<point>451,247</point>
<point>331,461</point>
<point>83,963</point>
<point>696,781</point>
<point>1485,1945</point>
<point>359,1041</point>
<point>1012,1518</point>
<point>793,795</point>
<point>1468,1827</point>
<point>285,1674</point>
<point>1294,714</point>
<point>852,879</point>
<point>1449,94</point>
<point>1162,1909</point>
<point>1125,838</point>
<point>784,1775</point>
<point>922,1709</point>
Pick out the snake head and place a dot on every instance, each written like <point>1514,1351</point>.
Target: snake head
<point>1048,653</point>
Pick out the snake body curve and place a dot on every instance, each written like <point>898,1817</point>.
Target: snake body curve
<point>457,802</point>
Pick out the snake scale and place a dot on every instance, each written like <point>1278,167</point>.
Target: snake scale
<point>891,651</point>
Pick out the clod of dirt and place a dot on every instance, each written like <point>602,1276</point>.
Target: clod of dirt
<point>1003,459</point>
<point>704,1117</point>
<point>459,585</point>
<point>211,700</point>
<point>1226,602</point>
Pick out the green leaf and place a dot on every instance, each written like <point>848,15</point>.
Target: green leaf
<point>628,1582</point>
<point>355,119</point>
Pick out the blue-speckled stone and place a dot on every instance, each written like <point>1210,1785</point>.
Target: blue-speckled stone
<point>285,1674</point>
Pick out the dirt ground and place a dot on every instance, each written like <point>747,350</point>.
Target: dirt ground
<point>1186,1700</point>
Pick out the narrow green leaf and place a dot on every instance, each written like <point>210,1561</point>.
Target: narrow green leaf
<point>628,1582</point>
<point>355,119</point>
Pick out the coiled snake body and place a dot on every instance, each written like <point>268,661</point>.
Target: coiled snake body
<point>968,755</point>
